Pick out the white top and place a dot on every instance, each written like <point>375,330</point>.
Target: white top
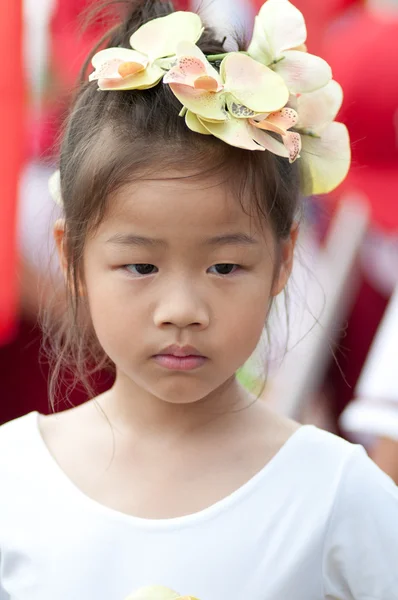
<point>319,521</point>
<point>374,413</point>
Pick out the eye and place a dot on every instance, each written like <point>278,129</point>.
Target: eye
<point>224,269</point>
<point>141,269</point>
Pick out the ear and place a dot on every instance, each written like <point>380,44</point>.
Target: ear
<point>286,258</point>
<point>59,237</point>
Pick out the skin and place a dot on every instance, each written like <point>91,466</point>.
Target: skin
<point>202,415</point>
<point>385,455</point>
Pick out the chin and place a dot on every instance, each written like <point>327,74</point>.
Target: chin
<point>182,392</point>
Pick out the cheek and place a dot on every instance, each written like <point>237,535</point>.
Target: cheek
<point>115,315</point>
<point>245,315</point>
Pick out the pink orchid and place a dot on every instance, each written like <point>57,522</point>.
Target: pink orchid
<point>153,48</point>
<point>279,123</point>
<point>193,70</point>
<point>223,103</point>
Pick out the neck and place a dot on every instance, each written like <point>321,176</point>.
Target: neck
<point>139,413</point>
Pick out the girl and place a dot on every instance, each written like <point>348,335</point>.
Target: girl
<point>177,235</point>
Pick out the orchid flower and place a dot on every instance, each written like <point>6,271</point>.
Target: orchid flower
<point>157,592</point>
<point>144,65</point>
<point>280,122</point>
<point>279,40</point>
<point>235,104</point>
<point>326,143</point>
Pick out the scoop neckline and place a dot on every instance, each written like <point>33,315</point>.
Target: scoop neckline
<point>184,521</point>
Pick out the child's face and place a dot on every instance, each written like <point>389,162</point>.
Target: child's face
<point>160,272</point>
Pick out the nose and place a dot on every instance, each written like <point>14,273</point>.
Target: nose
<point>182,307</point>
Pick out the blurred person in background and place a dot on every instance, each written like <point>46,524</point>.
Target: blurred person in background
<point>372,418</point>
<point>360,50</point>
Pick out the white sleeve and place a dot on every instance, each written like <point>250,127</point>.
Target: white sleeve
<point>3,593</point>
<point>361,547</point>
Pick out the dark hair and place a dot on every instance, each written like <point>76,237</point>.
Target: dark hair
<point>113,137</point>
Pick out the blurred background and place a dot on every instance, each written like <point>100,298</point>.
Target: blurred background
<point>337,363</point>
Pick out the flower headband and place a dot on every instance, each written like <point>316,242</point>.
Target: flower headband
<point>276,87</point>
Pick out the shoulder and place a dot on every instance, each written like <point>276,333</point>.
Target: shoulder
<point>18,457</point>
<point>13,433</point>
<point>17,444</point>
<point>361,542</point>
<point>323,453</point>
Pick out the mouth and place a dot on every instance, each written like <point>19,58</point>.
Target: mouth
<point>180,358</point>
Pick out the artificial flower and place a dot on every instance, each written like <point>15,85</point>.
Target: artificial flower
<point>242,82</point>
<point>280,123</point>
<point>326,143</point>
<point>194,70</point>
<point>235,104</point>
<point>144,65</point>
<point>157,592</point>
<point>279,40</point>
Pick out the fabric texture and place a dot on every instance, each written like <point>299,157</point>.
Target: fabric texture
<point>319,521</point>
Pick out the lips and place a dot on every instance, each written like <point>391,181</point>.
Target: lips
<point>180,358</point>
<point>180,351</point>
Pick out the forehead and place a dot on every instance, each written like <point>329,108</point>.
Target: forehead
<point>180,206</point>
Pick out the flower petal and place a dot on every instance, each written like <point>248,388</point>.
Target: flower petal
<point>187,70</point>
<point>193,69</point>
<point>208,105</point>
<point>326,158</point>
<point>107,62</point>
<point>283,25</point>
<point>268,142</point>
<point>206,83</point>
<point>318,109</point>
<point>194,124</point>
<point>141,81</point>
<point>278,122</point>
<point>189,49</point>
<point>293,144</point>
<point>130,68</point>
<point>235,132</point>
<point>159,38</point>
<point>303,72</point>
<point>259,47</point>
<point>252,84</point>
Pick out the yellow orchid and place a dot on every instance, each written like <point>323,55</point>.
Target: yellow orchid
<point>157,592</point>
<point>326,143</point>
<point>279,40</point>
<point>144,65</point>
<point>236,104</point>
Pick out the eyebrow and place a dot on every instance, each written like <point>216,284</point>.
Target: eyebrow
<point>230,239</point>
<point>129,239</point>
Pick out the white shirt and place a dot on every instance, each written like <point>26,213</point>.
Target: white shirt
<point>319,521</point>
<point>374,412</point>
